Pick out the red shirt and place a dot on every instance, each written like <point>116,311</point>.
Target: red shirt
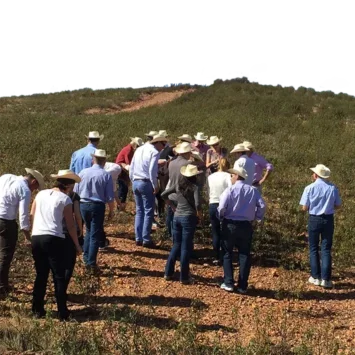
<point>125,156</point>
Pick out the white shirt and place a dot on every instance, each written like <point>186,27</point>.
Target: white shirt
<point>48,219</point>
<point>217,183</point>
<point>114,170</point>
<point>249,165</point>
<point>15,196</point>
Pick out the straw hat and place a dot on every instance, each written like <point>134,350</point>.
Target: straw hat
<point>151,133</point>
<point>213,140</point>
<point>189,170</point>
<point>186,138</point>
<point>238,171</point>
<point>321,170</point>
<point>158,138</point>
<point>248,145</point>
<point>239,148</point>
<point>184,147</point>
<point>38,176</point>
<point>66,174</point>
<point>162,132</point>
<point>136,140</point>
<point>95,135</point>
<point>200,136</point>
<point>99,153</point>
<point>196,156</point>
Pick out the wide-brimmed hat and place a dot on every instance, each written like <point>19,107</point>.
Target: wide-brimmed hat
<point>239,148</point>
<point>186,138</point>
<point>66,174</point>
<point>239,171</point>
<point>99,153</point>
<point>151,133</point>
<point>248,145</point>
<point>321,170</point>
<point>196,156</point>
<point>213,140</point>
<point>201,137</point>
<point>184,147</point>
<point>38,176</point>
<point>163,132</point>
<point>138,141</point>
<point>95,135</point>
<point>189,170</point>
<point>158,138</point>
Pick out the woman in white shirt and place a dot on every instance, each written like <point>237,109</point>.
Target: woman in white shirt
<point>217,183</point>
<point>49,209</point>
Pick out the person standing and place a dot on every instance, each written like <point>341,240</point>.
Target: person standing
<point>200,146</point>
<point>143,173</point>
<point>244,162</point>
<point>214,154</point>
<point>239,206</point>
<point>320,199</point>
<point>15,197</point>
<point>82,159</point>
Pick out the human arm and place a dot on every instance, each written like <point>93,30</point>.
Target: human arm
<point>305,202</point>
<point>260,207</point>
<point>110,196</point>
<point>131,169</point>
<point>337,204</point>
<point>77,216</point>
<point>24,214</point>
<point>72,163</point>
<point>69,222</point>
<point>223,204</point>
<point>153,170</point>
<point>167,192</point>
<point>33,211</point>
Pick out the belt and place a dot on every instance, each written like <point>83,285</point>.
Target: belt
<point>321,215</point>
<point>92,202</point>
<point>141,180</point>
<point>231,221</point>
<point>8,220</point>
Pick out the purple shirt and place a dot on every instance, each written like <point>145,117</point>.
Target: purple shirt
<point>241,202</point>
<point>260,164</point>
<point>200,148</point>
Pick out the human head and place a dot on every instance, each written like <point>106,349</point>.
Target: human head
<point>214,143</point>
<point>94,138</point>
<point>185,138</point>
<point>99,157</point>
<point>239,150</point>
<point>150,135</point>
<point>250,146</point>
<point>184,149</point>
<point>223,164</point>
<point>320,171</point>
<point>238,173</point>
<point>65,180</point>
<point>201,138</point>
<point>35,179</point>
<point>136,142</point>
<point>159,142</point>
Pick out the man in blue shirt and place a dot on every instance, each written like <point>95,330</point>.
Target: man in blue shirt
<point>95,190</point>
<point>320,199</point>
<point>82,159</point>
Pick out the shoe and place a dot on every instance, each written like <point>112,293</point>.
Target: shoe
<point>189,281</point>
<point>139,243</point>
<point>217,262</point>
<point>106,244</point>
<point>227,288</point>
<point>327,284</point>
<point>314,281</point>
<point>241,291</point>
<point>154,227</point>
<point>93,270</point>
<point>168,278</point>
<point>150,245</point>
<point>39,314</point>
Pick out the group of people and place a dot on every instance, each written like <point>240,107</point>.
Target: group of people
<point>166,179</point>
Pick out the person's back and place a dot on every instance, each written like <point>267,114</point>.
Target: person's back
<point>143,155</point>
<point>249,165</point>
<point>217,183</point>
<point>82,159</point>
<point>174,169</point>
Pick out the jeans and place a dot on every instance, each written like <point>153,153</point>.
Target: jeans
<point>169,221</point>
<point>183,233</point>
<point>239,234</point>
<point>321,227</point>
<point>70,259</point>
<point>122,190</point>
<point>49,254</point>
<point>216,229</point>
<point>144,196</point>
<point>93,216</point>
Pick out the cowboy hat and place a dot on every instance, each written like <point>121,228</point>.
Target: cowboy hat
<point>66,174</point>
<point>321,170</point>
<point>200,136</point>
<point>136,140</point>
<point>186,138</point>
<point>239,148</point>
<point>162,132</point>
<point>196,156</point>
<point>184,147</point>
<point>189,170</point>
<point>38,176</point>
<point>238,170</point>
<point>151,134</point>
<point>99,153</point>
<point>95,135</point>
<point>158,138</point>
<point>213,140</point>
<point>248,145</point>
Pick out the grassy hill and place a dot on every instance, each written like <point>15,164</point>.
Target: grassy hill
<point>294,129</point>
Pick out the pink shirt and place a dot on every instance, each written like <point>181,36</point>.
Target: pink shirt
<point>200,148</point>
<point>260,164</point>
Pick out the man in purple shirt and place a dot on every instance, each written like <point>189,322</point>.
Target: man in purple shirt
<point>239,206</point>
<point>200,146</point>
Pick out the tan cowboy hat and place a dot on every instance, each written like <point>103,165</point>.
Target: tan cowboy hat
<point>201,137</point>
<point>162,132</point>
<point>186,138</point>
<point>95,135</point>
<point>213,140</point>
<point>136,140</point>
<point>66,174</point>
<point>158,138</point>
<point>99,153</point>
<point>196,156</point>
<point>248,145</point>
<point>38,176</point>
<point>151,134</point>
<point>189,170</point>
<point>184,147</point>
<point>322,171</point>
<point>239,171</point>
<point>239,148</point>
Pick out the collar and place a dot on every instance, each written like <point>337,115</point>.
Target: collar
<point>97,166</point>
<point>91,145</point>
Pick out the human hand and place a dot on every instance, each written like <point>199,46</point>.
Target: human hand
<point>110,214</point>
<point>156,190</point>
<point>79,250</point>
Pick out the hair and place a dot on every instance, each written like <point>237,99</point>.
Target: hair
<point>62,184</point>
<point>94,140</point>
<point>240,178</point>
<point>187,185</point>
<point>223,165</point>
<point>30,176</point>
<point>99,160</point>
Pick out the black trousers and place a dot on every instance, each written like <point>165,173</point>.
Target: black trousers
<point>8,241</point>
<point>70,259</point>
<point>49,254</point>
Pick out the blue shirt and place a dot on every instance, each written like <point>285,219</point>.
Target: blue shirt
<point>241,202</point>
<point>320,197</point>
<point>82,159</point>
<point>96,185</point>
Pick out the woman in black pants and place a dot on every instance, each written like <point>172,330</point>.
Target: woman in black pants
<point>48,241</point>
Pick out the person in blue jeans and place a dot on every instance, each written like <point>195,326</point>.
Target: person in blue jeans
<point>320,199</point>
<point>185,220</point>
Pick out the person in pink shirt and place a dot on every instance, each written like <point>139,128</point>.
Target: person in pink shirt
<point>200,146</point>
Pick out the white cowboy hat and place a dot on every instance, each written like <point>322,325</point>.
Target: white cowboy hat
<point>158,138</point>
<point>239,171</point>
<point>213,140</point>
<point>95,135</point>
<point>66,174</point>
<point>196,156</point>
<point>239,148</point>
<point>163,133</point>
<point>189,170</point>
<point>151,134</point>
<point>38,176</point>
<point>321,170</point>
<point>136,140</point>
<point>184,147</point>
<point>248,145</point>
<point>99,153</point>
<point>201,137</point>
<point>186,138</point>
